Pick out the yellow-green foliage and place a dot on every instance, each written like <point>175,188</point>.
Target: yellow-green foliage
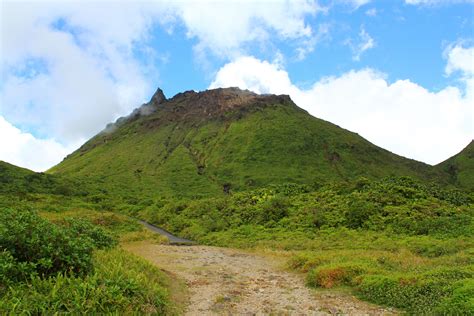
<point>144,235</point>
<point>121,283</point>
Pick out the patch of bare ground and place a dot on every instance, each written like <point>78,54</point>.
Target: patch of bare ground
<point>225,281</point>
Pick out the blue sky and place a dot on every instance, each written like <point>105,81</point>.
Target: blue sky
<point>398,72</point>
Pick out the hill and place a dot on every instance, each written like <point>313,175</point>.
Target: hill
<point>16,180</point>
<point>460,168</point>
<point>216,141</point>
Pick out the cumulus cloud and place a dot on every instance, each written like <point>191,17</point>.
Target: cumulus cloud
<point>402,116</point>
<point>460,59</point>
<point>224,27</point>
<point>67,68</point>
<point>23,149</point>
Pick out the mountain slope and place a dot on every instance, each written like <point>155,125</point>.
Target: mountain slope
<point>15,179</point>
<point>207,143</point>
<point>460,167</point>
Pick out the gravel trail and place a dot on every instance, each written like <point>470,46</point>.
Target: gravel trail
<point>224,281</point>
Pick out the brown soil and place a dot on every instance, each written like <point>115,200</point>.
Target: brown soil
<point>232,282</point>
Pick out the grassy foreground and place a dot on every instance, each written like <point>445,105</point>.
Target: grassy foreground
<point>73,265</point>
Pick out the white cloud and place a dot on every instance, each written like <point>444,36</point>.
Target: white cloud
<point>23,149</point>
<point>309,45</point>
<point>90,75</point>
<point>355,3</point>
<point>460,59</point>
<point>224,27</point>
<point>364,43</point>
<point>402,116</point>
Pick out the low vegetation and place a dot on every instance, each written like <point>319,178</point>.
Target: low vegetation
<point>73,265</point>
<point>395,242</point>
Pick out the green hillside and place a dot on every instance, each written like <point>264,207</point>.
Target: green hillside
<point>461,168</point>
<point>207,143</point>
<point>18,180</point>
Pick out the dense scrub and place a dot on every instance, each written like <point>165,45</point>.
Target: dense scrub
<point>396,242</point>
<point>32,246</point>
<point>394,205</point>
<point>71,266</point>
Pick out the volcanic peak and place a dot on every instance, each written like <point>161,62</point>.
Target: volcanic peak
<point>216,101</point>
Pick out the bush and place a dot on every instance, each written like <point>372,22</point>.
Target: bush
<point>33,241</point>
<point>329,276</point>
<point>99,237</point>
<point>417,294</point>
<point>11,270</point>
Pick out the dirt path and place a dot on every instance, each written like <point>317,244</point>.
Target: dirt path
<point>231,282</point>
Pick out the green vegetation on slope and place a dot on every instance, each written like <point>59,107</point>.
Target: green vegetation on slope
<point>180,153</point>
<point>461,168</point>
<point>16,180</point>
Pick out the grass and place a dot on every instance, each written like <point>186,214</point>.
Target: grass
<point>115,281</point>
<point>120,283</point>
<point>396,242</point>
<point>418,274</point>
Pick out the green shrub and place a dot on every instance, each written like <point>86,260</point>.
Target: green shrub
<point>416,294</point>
<point>430,247</point>
<point>273,210</point>
<point>303,262</point>
<point>12,270</point>
<point>32,240</point>
<point>461,302</point>
<point>81,228</point>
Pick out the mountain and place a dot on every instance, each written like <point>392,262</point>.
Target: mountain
<point>209,143</point>
<point>460,168</point>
